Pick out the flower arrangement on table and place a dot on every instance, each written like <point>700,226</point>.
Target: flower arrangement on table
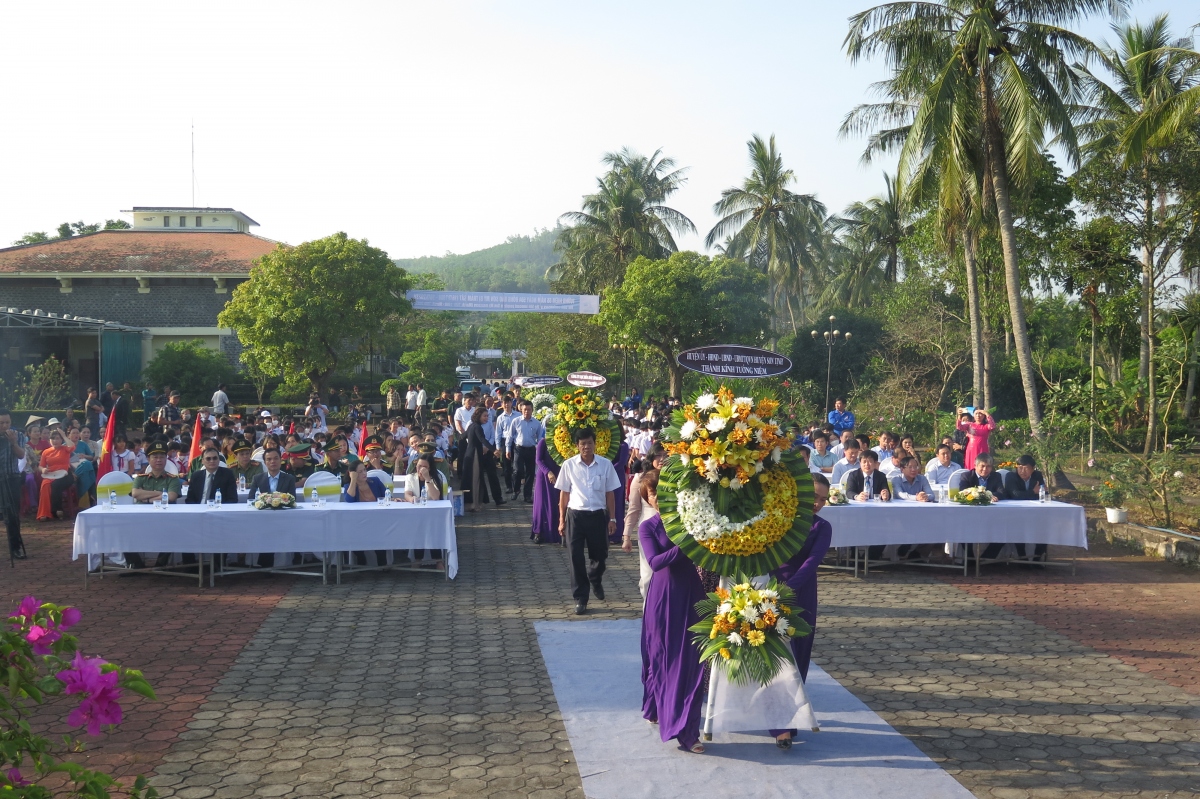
<point>974,496</point>
<point>734,496</point>
<point>578,409</point>
<point>276,500</point>
<point>837,496</point>
<point>543,405</point>
<point>745,631</point>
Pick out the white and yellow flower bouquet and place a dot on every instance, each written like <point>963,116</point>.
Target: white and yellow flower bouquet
<point>837,496</point>
<point>573,410</point>
<point>734,496</point>
<point>276,500</point>
<point>974,496</point>
<point>746,631</point>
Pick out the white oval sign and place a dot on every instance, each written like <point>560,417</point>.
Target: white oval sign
<point>586,379</point>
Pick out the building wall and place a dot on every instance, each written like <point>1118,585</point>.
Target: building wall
<point>166,305</point>
<point>150,221</point>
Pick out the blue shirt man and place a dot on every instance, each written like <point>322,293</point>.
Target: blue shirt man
<point>840,418</point>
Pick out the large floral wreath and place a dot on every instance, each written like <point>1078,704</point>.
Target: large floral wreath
<point>577,409</point>
<point>734,496</point>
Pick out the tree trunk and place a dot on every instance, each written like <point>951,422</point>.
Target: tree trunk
<point>1012,269</point>
<point>1190,397</point>
<point>1147,328</point>
<point>972,265</point>
<point>988,400</point>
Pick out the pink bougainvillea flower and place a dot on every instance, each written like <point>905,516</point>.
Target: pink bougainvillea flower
<point>42,638</point>
<point>1091,463</point>
<point>70,617</point>
<point>99,707</point>
<point>14,777</point>
<point>28,607</point>
<point>83,676</point>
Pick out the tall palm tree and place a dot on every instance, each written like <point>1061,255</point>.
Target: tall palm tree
<point>883,220</point>
<point>771,227</point>
<point>625,218</point>
<point>856,271</point>
<point>1003,67</point>
<point>1150,72</point>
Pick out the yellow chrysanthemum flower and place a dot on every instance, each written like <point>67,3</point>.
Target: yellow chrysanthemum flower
<point>756,638</point>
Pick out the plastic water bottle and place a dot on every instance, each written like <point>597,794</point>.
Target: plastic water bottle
<point>241,482</point>
<point>166,500</point>
<point>424,495</point>
<point>313,497</point>
<point>217,499</point>
<point>112,499</point>
<point>1041,492</point>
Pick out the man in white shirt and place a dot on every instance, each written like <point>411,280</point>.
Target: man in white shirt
<point>847,464</point>
<point>504,422</point>
<point>839,448</point>
<point>220,401</point>
<point>587,515</point>
<point>410,403</point>
<point>910,483</point>
<point>939,469</point>
<point>462,423</point>
<point>893,465</point>
<point>422,400</point>
<point>523,435</point>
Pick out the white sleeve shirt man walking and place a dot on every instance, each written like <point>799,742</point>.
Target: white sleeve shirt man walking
<point>587,515</point>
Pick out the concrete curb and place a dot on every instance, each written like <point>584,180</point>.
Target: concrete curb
<point>1171,547</point>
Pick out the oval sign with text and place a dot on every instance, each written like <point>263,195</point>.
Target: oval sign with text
<point>538,381</point>
<point>586,379</point>
<point>734,360</point>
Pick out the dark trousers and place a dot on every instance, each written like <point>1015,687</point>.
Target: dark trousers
<point>506,464</point>
<point>586,528</point>
<point>482,471</point>
<point>57,487</point>
<point>10,507</point>
<point>525,471</point>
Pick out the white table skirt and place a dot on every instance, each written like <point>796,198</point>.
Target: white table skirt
<point>336,527</point>
<point>906,522</point>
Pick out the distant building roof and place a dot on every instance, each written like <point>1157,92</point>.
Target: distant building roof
<point>186,209</point>
<point>133,252</point>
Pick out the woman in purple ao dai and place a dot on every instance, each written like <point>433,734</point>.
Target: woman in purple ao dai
<point>672,676</point>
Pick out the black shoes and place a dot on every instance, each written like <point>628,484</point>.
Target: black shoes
<point>598,590</point>
<point>580,608</point>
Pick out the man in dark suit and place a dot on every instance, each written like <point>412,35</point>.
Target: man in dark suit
<point>868,470</point>
<point>1025,481</point>
<point>207,481</point>
<point>1023,484</point>
<point>274,478</point>
<point>985,476</point>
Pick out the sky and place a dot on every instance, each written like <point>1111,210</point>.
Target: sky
<point>425,128</point>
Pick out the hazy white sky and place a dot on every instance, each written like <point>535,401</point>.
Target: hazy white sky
<point>423,127</point>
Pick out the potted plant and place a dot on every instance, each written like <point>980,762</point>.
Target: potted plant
<point>1112,497</point>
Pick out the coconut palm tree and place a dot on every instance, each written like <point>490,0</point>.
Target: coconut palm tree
<point>1150,72</point>
<point>771,227</point>
<point>1000,68</point>
<point>883,221</point>
<point>625,218</point>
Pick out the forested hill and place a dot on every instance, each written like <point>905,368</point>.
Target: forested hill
<point>519,264</point>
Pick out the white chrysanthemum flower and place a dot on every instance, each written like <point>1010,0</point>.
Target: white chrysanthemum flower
<point>758,434</point>
<point>750,614</point>
<point>734,639</point>
<point>688,431</point>
<point>744,401</point>
<point>711,470</point>
<point>741,427</point>
<point>782,626</point>
<point>758,466</point>
<point>1178,475</point>
<point>685,459</point>
<point>776,454</point>
<point>725,608</point>
<point>735,484</point>
<point>769,593</point>
<point>716,423</point>
<point>706,402</point>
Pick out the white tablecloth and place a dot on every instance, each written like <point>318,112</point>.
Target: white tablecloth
<point>336,527</point>
<point>905,522</point>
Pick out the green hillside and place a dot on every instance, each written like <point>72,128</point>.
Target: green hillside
<point>517,265</point>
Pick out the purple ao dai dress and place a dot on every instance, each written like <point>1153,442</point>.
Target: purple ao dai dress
<point>545,498</point>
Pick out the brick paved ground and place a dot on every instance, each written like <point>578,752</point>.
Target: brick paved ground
<point>1004,683</point>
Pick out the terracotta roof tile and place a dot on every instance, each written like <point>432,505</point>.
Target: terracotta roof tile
<point>112,252</point>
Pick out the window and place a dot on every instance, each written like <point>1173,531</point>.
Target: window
<point>199,220</point>
<point>166,221</point>
<point>183,221</point>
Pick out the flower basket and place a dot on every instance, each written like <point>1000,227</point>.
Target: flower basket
<point>974,496</point>
<point>543,405</point>
<point>733,496</point>
<point>745,632</point>
<point>274,501</point>
<point>577,409</point>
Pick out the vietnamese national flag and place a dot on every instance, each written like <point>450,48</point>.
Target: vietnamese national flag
<point>362,442</point>
<point>292,427</point>
<point>104,466</point>
<point>194,450</point>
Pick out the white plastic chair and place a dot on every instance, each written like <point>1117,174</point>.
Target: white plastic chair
<point>382,476</point>
<point>954,482</point>
<point>328,485</point>
<point>1003,473</point>
<point>119,482</point>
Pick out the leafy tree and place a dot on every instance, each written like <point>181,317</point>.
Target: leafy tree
<point>36,237</point>
<point>774,229</point>
<point>1001,70</point>
<point>68,229</point>
<point>517,265</point>
<point>317,307</point>
<point>626,218</point>
<point>191,368</point>
<point>433,345</point>
<point>685,301</point>
<point>880,222</point>
<point>117,224</point>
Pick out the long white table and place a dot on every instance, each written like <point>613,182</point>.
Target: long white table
<point>863,524</point>
<point>334,527</point>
